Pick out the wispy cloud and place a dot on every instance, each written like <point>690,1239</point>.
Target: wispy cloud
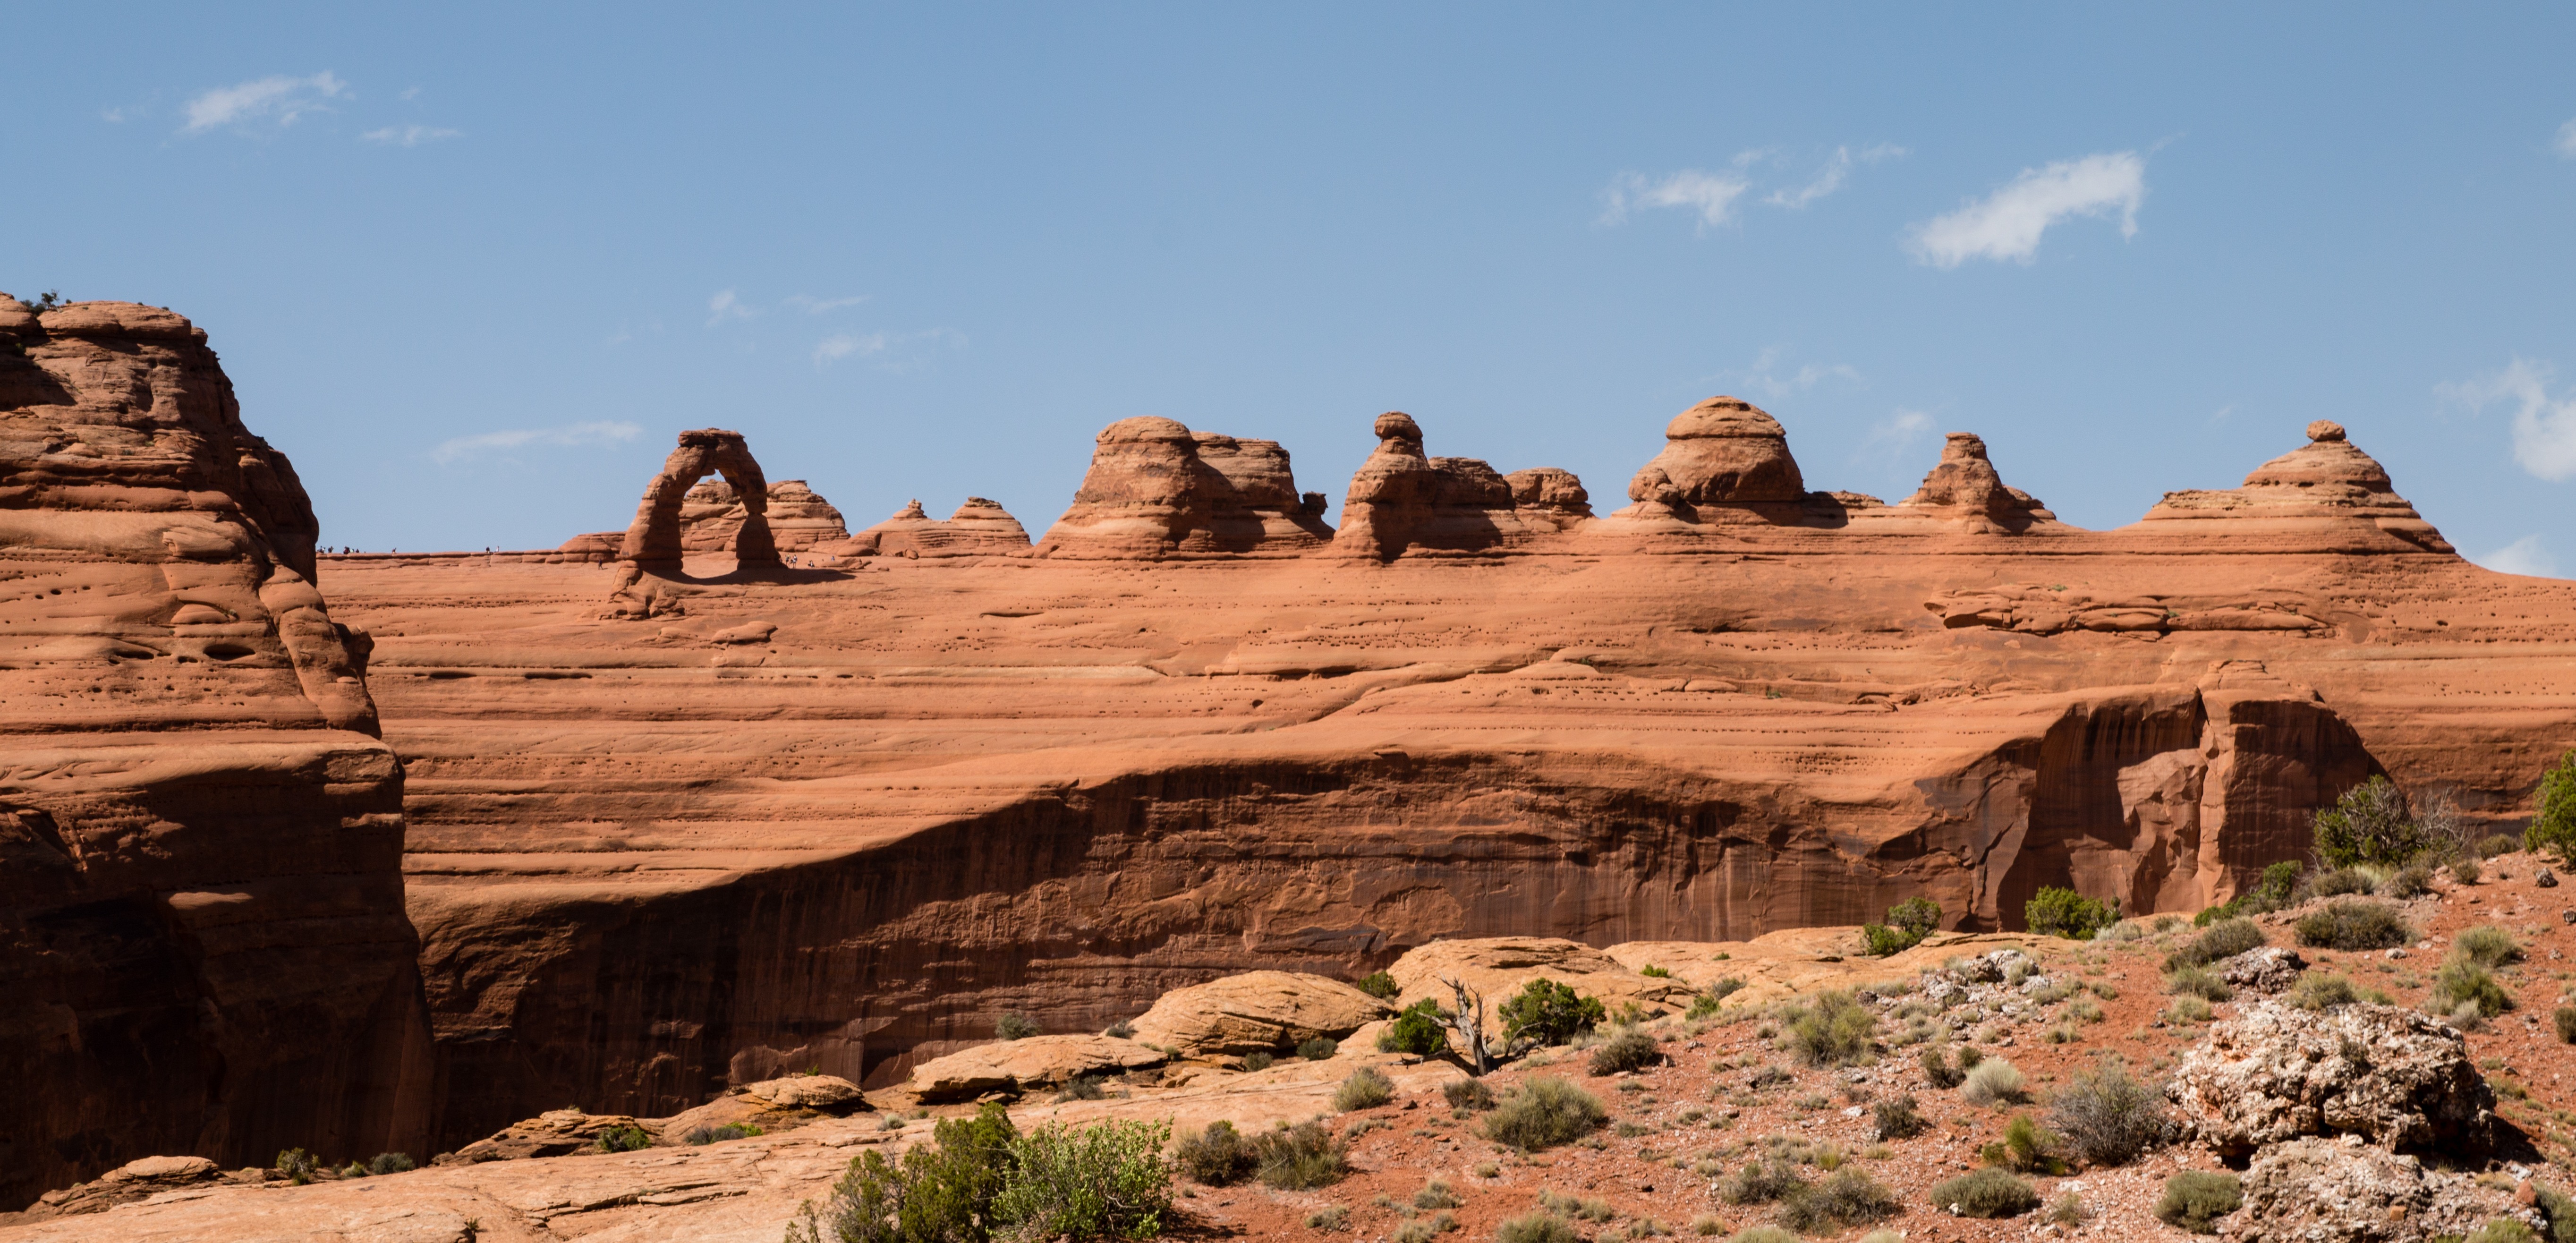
<point>1836,170</point>
<point>894,351</point>
<point>2523,556</point>
<point>281,100</point>
<point>1898,431</point>
<point>409,135</point>
<point>2008,223</point>
<point>1766,378</point>
<point>725,306</point>
<point>574,435</point>
<point>1712,195</point>
<point>812,305</point>
<point>2544,427</point>
<point>2567,140</point>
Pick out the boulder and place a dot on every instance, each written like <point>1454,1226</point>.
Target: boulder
<point>2264,969</point>
<point>554,1133</point>
<point>132,1181</point>
<point>1018,1065</point>
<point>772,1105</point>
<point>1256,1012</point>
<point>2345,1191</point>
<point>830,1094</point>
<point>2384,1073</point>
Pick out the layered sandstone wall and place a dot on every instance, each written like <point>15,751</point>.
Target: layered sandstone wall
<point>201,925</point>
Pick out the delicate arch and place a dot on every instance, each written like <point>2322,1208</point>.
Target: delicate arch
<point>655,535</point>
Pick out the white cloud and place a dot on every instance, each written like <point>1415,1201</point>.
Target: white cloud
<point>113,116</point>
<point>812,305</point>
<point>1764,376</point>
<point>2544,427</point>
<point>574,435</point>
<point>725,306</point>
<point>2567,140</point>
<point>278,99</point>
<point>409,135</point>
<point>1898,431</point>
<point>2523,556</point>
<point>2008,224</point>
<point>1831,179</point>
<point>1712,195</point>
<point>894,351</point>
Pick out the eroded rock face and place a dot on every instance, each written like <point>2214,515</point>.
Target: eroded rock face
<point>1723,451</point>
<point>2325,492</point>
<point>1966,487</point>
<point>1402,500</point>
<point>712,514</point>
<point>1256,1012</point>
<point>2268,969</point>
<point>979,528</point>
<point>1009,1066</point>
<point>656,538</point>
<point>2384,1074</point>
<point>2330,1191</point>
<point>1499,967</point>
<point>1157,489</point>
<point>202,937</point>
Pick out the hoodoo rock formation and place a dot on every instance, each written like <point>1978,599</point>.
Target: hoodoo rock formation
<point>202,938</point>
<point>1723,451</point>
<point>1157,489</point>
<point>1965,486</point>
<point>1403,501</point>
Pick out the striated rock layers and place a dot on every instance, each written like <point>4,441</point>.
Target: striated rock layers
<point>202,936</point>
<point>1157,489</point>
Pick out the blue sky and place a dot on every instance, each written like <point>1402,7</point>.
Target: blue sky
<point>471,267</point>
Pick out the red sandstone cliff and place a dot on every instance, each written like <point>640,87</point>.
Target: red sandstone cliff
<point>202,937</point>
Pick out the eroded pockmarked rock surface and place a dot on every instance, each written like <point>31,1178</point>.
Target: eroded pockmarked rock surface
<point>202,939</point>
<point>2386,1074</point>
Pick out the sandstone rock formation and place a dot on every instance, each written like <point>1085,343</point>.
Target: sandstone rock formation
<point>133,1182</point>
<point>1725,452</point>
<point>1965,486</point>
<point>1498,967</point>
<point>1256,1012</point>
<point>712,514</point>
<point>655,536</point>
<point>1011,1066</point>
<point>1157,489</point>
<point>202,935</point>
<point>1404,501</point>
<point>2324,494</point>
<point>979,528</point>
<point>2385,1074</point>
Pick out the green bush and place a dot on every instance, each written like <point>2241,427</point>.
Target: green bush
<point>1318,1049</point>
<point>2340,882</point>
<point>2370,824</point>
<point>1549,1013</point>
<point>2503,1230</point>
<point>1576,1207</point>
<point>1908,922</point>
<point>1436,1194</point>
<point>1258,1061</point>
<point>1365,1088</point>
<point>2225,939</point>
<point>1938,1070</point>
<point>1104,1181</point>
<point>701,1135</point>
<point>1762,1234</point>
<point>2353,924</point>
<point>1300,1157</point>
<point>391,1163</point>
<point>2558,1210</point>
<point>1993,1082</point>
<point>1896,1117</point>
<point>624,1139</point>
<point>1542,1113</point>
<point>2027,1147</point>
<point>1082,1088</point>
<point>2198,982</point>
<point>944,1189</point>
<point>2195,1199</point>
<point>1628,1049</point>
<point>1378,984</point>
<point>1331,1217</point>
<point>2496,845</point>
<point>296,1164</point>
<point>1015,1026</point>
<point>1706,1003</point>
<point>1420,1029</point>
<point>2463,983</point>
<point>1834,1031</point>
<point>2065,913</point>
<point>1764,1182</point>
<point>2319,990</point>
<point>1468,1094</point>
<point>1850,1198</point>
<point>1216,1156</point>
<point>2466,871</point>
<point>2107,1115</point>
<point>2553,829</point>
<point>2411,881</point>
<point>1985,1193</point>
<point>1536,1228</point>
<point>1651,971</point>
<point>2487,946</point>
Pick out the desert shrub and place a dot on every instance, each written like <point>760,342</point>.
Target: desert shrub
<point>1015,1026</point>
<point>1896,1118</point>
<point>2065,913</point>
<point>2198,982</point>
<point>391,1163</point>
<point>1652,971</point>
<point>2498,844</point>
<point>624,1139</point>
<point>2558,1210</point>
<point>1576,1207</point>
<point>1542,1113</point>
<point>2194,1200</point>
<point>2411,881</point>
<point>2068,1210</point>
<point>2463,984</point>
<point>1425,1229</point>
<point>2565,1019</point>
<point>2026,1147</point>
<point>1763,1182</point>
<point>1299,1158</point>
<point>1938,1070</point>
<point>943,1189</point>
<point>1378,984</point>
<point>1318,1049</point>
<point>1628,1049</point>
<point>1120,1030</point>
<point>1536,1228</point>
<point>2280,882</point>
<point>1707,1001</point>
<point>2107,1115</point>
<point>2339,883</point>
<point>2353,924</point>
<point>2487,946</point>
<point>1468,1094</point>
<point>1365,1088</point>
<point>1329,1217</point>
<point>1549,1013</point>
<point>2553,828</point>
<point>296,1164</point>
<point>1082,1088</point>
<point>2466,871</point>
<point>1993,1082</point>
<point>702,1135</point>
<point>2369,824</point>
<point>1258,1061</point>
<point>1834,1031</point>
<point>1762,1234</point>
<point>2225,939</point>
<point>1908,922</point>
<point>2187,1009</point>
<point>1216,1156</point>
<point>2503,1230</point>
<point>1104,1181</point>
<point>1420,1029</point>
<point>2318,990</point>
<point>1769,1077</point>
<point>1850,1198</point>
<point>1436,1194</point>
<point>1985,1193</point>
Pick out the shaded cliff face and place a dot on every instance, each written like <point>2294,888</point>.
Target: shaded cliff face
<point>201,928</point>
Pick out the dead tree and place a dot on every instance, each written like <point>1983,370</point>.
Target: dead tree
<point>1468,1020</point>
